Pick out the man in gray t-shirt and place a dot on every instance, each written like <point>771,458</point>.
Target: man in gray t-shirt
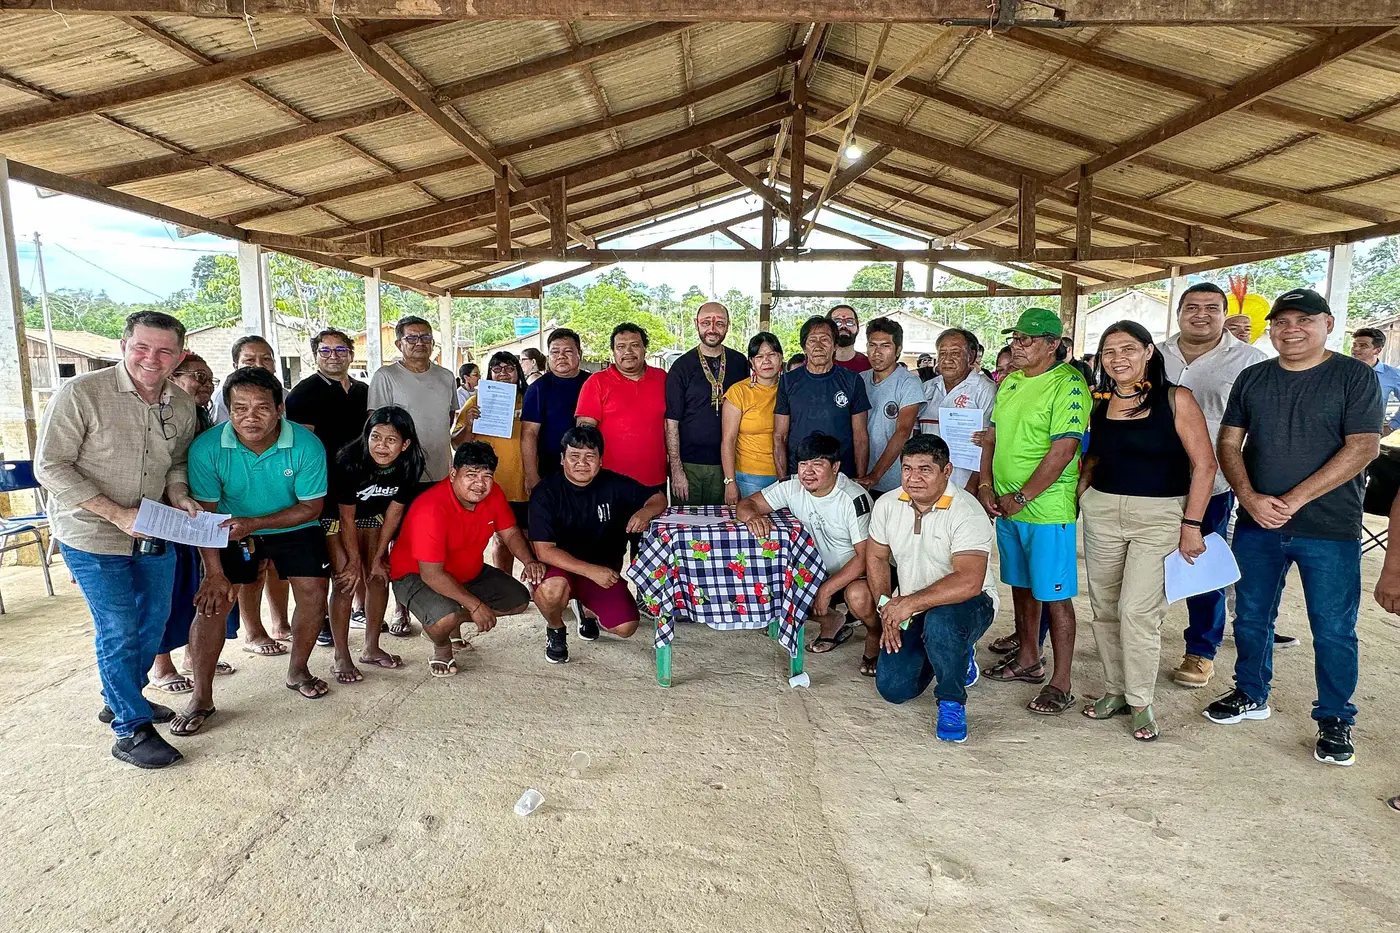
<point>427,391</point>
<point>896,399</point>
<point>1296,435</point>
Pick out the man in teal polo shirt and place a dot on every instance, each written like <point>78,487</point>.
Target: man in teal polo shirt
<point>1029,476</point>
<point>269,474</point>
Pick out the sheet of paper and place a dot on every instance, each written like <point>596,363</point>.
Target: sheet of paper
<point>496,401</point>
<point>161,521</point>
<point>691,520</point>
<point>1213,570</point>
<point>956,426</point>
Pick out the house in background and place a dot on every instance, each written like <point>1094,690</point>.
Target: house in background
<point>215,344</point>
<point>920,336</point>
<point>1146,308</point>
<point>76,351</point>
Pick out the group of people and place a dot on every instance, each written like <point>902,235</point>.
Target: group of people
<point>340,492</point>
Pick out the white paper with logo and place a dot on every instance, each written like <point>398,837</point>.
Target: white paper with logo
<point>956,426</point>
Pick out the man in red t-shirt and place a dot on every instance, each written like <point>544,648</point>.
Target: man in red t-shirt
<point>436,564</point>
<point>627,402</point>
<point>847,326</point>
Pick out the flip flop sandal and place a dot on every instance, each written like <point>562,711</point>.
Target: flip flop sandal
<point>174,685</point>
<point>191,723</point>
<point>222,669</point>
<point>1393,803</point>
<point>868,665</point>
<point>390,663</point>
<point>439,668</point>
<point>1053,700</point>
<point>315,683</point>
<point>1144,721</point>
<point>1105,707</point>
<point>348,677</point>
<point>843,635</point>
<point>1007,644</point>
<point>400,628</point>
<point>271,650</point>
<point>1008,672</point>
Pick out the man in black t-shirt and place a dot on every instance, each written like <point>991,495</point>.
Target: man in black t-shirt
<point>695,387</point>
<point>547,410</point>
<point>1297,433</point>
<point>579,521</point>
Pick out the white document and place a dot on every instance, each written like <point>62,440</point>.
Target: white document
<point>496,408</point>
<point>684,518</point>
<point>161,521</point>
<point>1213,570</point>
<point>956,426</point>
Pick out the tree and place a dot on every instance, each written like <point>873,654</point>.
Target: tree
<point>877,277</point>
<point>1273,277</point>
<point>606,305</point>
<point>1375,285</point>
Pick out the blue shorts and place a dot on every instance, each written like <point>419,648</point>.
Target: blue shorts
<point>1039,558</point>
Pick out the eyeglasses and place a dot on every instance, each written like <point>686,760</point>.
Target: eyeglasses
<point>503,369</point>
<point>1024,340</point>
<point>326,353</point>
<point>202,379</point>
<point>419,340</point>
<point>165,412</point>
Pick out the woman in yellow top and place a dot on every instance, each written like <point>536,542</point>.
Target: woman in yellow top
<point>510,466</point>
<point>746,448</point>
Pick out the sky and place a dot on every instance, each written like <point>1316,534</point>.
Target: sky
<point>134,258</point>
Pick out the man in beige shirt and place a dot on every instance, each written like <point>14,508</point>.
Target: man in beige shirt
<point>109,439</point>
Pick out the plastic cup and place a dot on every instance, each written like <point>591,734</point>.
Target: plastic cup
<point>529,802</point>
<point>578,764</point>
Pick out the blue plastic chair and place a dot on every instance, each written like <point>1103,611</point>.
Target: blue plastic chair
<point>22,531</point>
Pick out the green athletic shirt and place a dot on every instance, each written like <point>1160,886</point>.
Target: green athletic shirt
<point>1031,413</point>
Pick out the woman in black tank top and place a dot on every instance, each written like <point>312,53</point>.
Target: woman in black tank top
<point>1143,486</point>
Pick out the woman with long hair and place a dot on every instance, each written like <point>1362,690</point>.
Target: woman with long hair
<point>373,479</point>
<point>503,366</point>
<point>1143,489</point>
<point>537,364</point>
<point>746,422</point>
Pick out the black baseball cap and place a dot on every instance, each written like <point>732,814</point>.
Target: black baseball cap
<point>1299,299</point>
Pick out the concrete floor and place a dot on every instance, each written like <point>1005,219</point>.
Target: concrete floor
<point>728,803</point>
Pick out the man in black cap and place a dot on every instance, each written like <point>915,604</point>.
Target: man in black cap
<point>1297,433</point>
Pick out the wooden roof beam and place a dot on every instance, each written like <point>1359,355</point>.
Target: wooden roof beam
<point>746,178</point>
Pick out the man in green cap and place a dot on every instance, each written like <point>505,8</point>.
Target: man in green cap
<point>1030,470</point>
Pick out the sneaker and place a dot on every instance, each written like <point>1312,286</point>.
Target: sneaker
<point>1285,641</point>
<point>974,674</point>
<point>1194,671</point>
<point>587,627</point>
<point>556,645</point>
<point>159,713</point>
<point>1334,743</point>
<point>358,619</point>
<point>146,749</point>
<point>325,639</point>
<point>952,722</point>
<point>1233,707</point>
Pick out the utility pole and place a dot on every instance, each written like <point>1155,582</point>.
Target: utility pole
<point>48,319</point>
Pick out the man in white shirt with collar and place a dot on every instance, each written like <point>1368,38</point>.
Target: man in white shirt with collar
<point>1206,358</point>
<point>959,384</point>
<point>941,538</point>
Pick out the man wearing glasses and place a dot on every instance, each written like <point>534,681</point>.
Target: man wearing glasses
<point>843,319</point>
<point>426,390</point>
<point>111,438</point>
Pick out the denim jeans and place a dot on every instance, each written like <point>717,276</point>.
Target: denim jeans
<point>129,598</point>
<point>750,483</point>
<point>1331,575</point>
<point>1205,625</point>
<point>934,648</point>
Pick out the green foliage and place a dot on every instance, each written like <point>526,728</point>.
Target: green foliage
<point>877,276</point>
<point>1273,277</point>
<point>1375,281</point>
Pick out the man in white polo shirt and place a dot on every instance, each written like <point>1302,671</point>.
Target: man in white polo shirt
<point>836,511</point>
<point>1206,358</point>
<point>941,538</point>
<point>958,384</point>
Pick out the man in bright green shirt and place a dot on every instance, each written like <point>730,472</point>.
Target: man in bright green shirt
<point>1030,471</point>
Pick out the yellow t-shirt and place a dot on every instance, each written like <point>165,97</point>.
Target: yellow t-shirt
<point>754,450</point>
<point>510,465</point>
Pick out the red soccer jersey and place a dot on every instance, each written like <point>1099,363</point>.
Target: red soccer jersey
<point>439,529</point>
<point>632,417</point>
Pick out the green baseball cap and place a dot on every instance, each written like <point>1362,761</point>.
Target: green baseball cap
<point>1037,322</point>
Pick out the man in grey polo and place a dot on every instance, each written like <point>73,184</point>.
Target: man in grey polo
<point>1206,358</point>
<point>426,390</point>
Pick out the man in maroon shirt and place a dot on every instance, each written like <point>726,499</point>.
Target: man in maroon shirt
<point>843,319</point>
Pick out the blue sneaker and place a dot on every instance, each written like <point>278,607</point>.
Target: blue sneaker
<point>973,673</point>
<point>952,722</point>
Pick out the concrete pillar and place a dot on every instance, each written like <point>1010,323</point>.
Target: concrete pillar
<point>374,349</point>
<point>449,338</point>
<point>251,288</point>
<point>1338,292</point>
<point>17,422</point>
<point>1178,286</point>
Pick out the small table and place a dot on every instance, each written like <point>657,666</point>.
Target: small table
<point>722,575</point>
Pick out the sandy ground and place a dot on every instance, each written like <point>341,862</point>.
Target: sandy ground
<point>728,803</point>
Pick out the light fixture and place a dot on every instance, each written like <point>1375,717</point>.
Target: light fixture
<point>853,151</point>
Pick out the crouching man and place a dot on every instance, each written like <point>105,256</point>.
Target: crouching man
<point>579,521</point>
<point>436,565</point>
<point>941,540</point>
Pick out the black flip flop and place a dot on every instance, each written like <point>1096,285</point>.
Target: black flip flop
<point>200,714</point>
<point>1393,803</point>
<point>310,681</point>
<point>842,636</point>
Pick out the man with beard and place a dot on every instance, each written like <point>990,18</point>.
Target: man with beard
<point>695,388</point>
<point>847,325</point>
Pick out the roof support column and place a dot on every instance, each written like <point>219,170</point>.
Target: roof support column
<point>765,276</point>
<point>449,334</point>
<point>17,424</point>
<point>1069,305</point>
<point>1177,289</point>
<point>252,290</point>
<point>374,347</point>
<point>1339,291</point>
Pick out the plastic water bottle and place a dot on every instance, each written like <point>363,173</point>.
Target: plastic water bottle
<point>578,764</point>
<point>529,802</point>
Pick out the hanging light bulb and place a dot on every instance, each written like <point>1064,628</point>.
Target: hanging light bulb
<point>853,151</point>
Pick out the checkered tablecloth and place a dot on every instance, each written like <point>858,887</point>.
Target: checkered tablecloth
<point>725,577</point>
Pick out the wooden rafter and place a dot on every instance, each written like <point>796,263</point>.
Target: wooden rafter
<point>945,38</point>
<point>745,177</point>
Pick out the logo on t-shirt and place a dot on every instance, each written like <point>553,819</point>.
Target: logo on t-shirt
<point>841,400</point>
<point>371,492</point>
<point>604,512</point>
<point>891,410</point>
<point>961,401</point>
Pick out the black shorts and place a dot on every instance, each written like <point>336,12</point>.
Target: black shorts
<point>299,553</point>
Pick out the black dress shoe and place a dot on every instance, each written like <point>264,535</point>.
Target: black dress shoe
<point>159,713</point>
<point>146,749</point>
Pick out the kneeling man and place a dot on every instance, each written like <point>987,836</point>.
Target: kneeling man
<point>835,509</point>
<point>436,565</point>
<point>579,521</point>
<point>941,539</point>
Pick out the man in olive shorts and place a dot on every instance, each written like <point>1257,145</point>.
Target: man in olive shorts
<point>436,565</point>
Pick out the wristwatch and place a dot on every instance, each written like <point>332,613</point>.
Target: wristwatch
<point>1018,498</point>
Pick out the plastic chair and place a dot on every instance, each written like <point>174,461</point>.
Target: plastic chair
<point>1382,484</point>
<point>18,476</point>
